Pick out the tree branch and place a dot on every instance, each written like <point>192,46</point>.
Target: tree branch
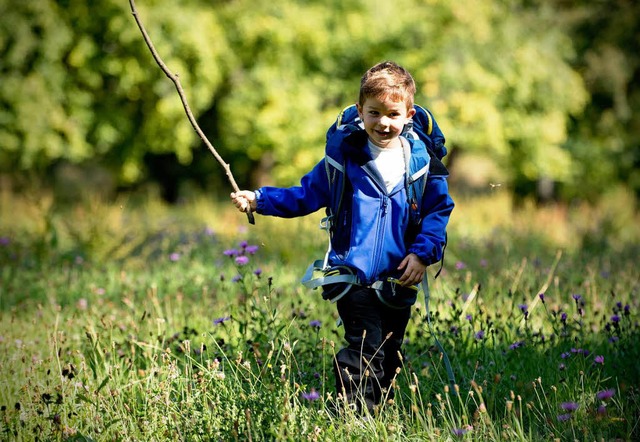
<point>176,81</point>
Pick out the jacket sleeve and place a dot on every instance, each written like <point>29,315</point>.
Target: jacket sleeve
<point>437,205</point>
<point>312,194</point>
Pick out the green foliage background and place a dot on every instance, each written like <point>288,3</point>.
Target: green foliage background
<point>541,89</point>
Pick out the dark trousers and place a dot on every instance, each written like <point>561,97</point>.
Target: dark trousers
<point>365,368</point>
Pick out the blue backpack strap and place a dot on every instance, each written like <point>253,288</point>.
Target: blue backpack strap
<point>415,190</point>
<point>349,121</point>
<point>334,165</point>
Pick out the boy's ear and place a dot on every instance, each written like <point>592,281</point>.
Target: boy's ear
<point>359,108</point>
<point>411,113</point>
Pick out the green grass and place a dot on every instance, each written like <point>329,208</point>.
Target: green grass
<point>127,321</point>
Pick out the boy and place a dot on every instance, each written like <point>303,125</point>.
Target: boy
<point>374,234</point>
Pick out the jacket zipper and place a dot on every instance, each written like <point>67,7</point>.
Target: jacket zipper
<point>380,231</point>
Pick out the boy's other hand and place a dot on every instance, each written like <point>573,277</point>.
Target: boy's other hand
<point>244,200</point>
<point>413,270</point>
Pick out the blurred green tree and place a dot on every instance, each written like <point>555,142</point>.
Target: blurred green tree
<point>508,80</point>
<point>604,141</point>
<point>79,84</point>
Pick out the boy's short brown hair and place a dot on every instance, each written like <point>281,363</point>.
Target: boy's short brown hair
<point>387,80</point>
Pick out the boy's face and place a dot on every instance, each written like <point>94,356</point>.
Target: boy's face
<point>384,120</point>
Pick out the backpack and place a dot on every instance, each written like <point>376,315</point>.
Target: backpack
<point>421,127</point>
<point>335,281</point>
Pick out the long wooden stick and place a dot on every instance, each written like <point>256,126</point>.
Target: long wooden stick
<point>176,81</point>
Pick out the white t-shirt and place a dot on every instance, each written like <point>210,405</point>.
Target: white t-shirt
<point>390,164</point>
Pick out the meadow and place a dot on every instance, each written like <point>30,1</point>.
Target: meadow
<point>132,320</point>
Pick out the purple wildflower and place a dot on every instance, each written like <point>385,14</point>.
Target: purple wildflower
<point>236,278</point>
<point>562,367</point>
<point>257,272</point>
<point>315,323</point>
<point>615,319</point>
<point>5,241</point>
<point>469,318</point>
<point>564,417</point>
<point>483,262</point>
<point>602,409</point>
<point>563,317</point>
<point>605,394</point>
<point>460,265</point>
<point>569,406</point>
<point>208,231</point>
<point>252,249</point>
<point>516,344</point>
<point>541,296</point>
<point>479,335</point>
<point>576,297</point>
<point>313,395</point>
<point>627,309</point>
<point>175,256</point>
<point>459,431</point>
<point>219,321</point>
<point>599,359</point>
<point>242,260</point>
<point>243,244</point>
<point>580,351</point>
<point>230,252</point>
<point>565,355</point>
<point>523,308</point>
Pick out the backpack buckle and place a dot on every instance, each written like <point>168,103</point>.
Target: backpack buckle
<point>335,281</point>
<point>395,295</point>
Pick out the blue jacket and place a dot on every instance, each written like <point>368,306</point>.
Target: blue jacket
<point>372,231</point>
